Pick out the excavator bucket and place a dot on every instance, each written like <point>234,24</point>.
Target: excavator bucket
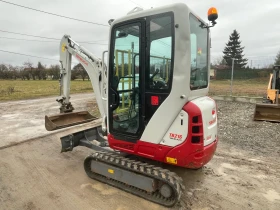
<point>65,120</point>
<point>267,112</point>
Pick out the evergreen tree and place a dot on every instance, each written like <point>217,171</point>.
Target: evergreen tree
<point>234,50</point>
<point>277,59</point>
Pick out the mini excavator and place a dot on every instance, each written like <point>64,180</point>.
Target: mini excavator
<point>153,100</point>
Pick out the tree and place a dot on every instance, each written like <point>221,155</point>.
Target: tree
<point>277,59</point>
<point>81,71</point>
<point>219,61</point>
<point>234,50</point>
<point>54,71</point>
<point>13,72</point>
<point>41,71</point>
<point>29,70</point>
<point>74,74</point>
<point>3,71</point>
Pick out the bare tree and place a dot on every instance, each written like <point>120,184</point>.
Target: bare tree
<point>41,72</point>
<point>3,71</point>
<point>53,71</point>
<point>220,61</point>
<point>13,74</point>
<point>29,70</point>
<point>277,59</point>
<point>80,71</point>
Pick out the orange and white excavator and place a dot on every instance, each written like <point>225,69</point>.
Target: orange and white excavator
<point>152,97</point>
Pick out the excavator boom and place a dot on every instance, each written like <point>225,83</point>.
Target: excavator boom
<point>95,69</point>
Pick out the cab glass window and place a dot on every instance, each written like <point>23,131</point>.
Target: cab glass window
<point>124,89</point>
<point>199,54</point>
<point>160,29</point>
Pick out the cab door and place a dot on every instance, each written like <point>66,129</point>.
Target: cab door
<point>127,55</point>
<point>159,61</point>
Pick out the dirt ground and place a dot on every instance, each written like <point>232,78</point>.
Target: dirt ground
<point>25,119</point>
<point>244,173</point>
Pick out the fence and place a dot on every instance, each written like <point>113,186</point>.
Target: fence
<point>241,73</point>
<point>246,82</point>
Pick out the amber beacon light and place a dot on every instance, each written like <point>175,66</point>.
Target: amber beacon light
<point>212,15</point>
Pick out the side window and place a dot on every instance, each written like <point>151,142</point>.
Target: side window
<point>199,54</point>
<point>160,53</point>
<point>125,78</point>
<point>126,57</point>
<point>193,51</point>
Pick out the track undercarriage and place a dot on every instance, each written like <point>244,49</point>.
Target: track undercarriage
<point>142,179</point>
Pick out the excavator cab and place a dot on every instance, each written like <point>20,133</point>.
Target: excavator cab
<point>143,70</point>
<point>269,110</point>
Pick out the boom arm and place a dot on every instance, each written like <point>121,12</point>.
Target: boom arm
<point>95,68</point>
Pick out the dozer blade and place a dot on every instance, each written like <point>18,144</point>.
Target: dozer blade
<point>267,112</point>
<point>65,120</point>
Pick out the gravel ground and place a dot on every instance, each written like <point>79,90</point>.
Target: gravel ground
<point>237,129</point>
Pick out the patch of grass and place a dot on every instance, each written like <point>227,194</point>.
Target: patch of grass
<point>8,91</point>
<point>19,89</point>
<point>24,89</point>
<point>251,87</point>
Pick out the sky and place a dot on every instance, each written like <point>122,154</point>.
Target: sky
<point>257,21</point>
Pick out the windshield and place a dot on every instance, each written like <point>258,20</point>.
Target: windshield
<point>199,54</point>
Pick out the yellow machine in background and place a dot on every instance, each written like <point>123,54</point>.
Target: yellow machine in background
<point>274,86</point>
<point>270,109</point>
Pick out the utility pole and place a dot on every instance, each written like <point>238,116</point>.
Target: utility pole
<point>231,76</point>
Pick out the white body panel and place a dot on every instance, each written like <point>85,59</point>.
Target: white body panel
<point>209,118</point>
<point>178,131</point>
<point>208,110</point>
<point>180,93</point>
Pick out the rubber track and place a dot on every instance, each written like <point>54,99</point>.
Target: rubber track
<point>164,175</point>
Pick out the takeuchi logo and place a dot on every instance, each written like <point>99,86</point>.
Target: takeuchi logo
<point>81,59</point>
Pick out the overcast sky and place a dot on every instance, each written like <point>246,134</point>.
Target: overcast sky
<point>257,21</point>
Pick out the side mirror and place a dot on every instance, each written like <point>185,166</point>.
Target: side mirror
<point>122,34</point>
